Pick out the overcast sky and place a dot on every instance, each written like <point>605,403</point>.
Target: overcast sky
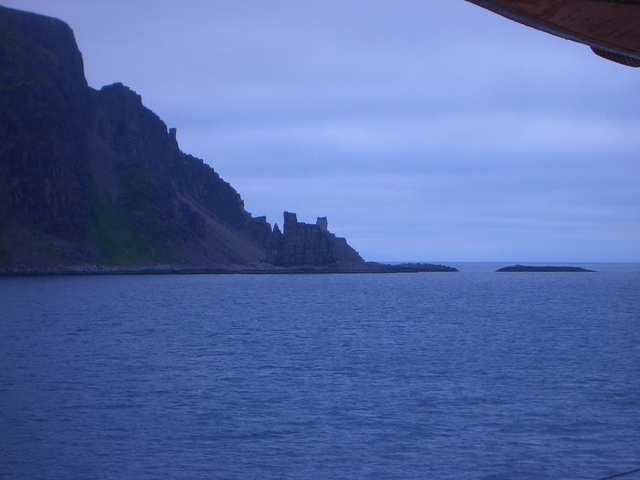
<point>426,130</point>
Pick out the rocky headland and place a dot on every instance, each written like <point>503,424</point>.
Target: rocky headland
<point>93,182</point>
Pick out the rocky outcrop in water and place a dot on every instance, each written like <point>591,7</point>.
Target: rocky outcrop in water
<point>542,269</point>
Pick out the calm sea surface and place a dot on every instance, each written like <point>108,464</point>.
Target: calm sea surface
<point>410,376</point>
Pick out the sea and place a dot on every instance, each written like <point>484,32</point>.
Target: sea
<point>468,375</point>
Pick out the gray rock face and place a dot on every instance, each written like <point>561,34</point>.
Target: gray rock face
<point>303,244</point>
<point>99,172</point>
<point>44,109</point>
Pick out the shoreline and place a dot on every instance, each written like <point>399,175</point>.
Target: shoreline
<point>369,267</point>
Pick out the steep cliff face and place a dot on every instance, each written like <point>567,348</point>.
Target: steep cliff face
<point>174,207</point>
<point>43,112</point>
<point>94,176</point>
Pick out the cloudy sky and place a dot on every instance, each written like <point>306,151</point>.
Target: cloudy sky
<point>425,130</point>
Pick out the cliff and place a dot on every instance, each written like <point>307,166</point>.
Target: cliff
<point>93,177</point>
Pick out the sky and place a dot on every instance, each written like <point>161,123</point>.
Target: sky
<point>425,130</point>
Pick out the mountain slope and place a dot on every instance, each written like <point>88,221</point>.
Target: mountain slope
<point>92,176</point>
<point>93,181</point>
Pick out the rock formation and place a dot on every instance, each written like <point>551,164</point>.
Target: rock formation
<point>307,244</point>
